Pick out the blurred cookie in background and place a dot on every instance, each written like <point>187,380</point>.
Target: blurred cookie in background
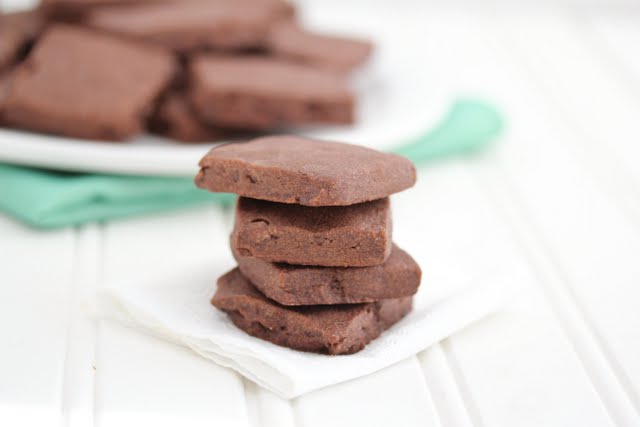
<point>83,84</point>
<point>72,11</point>
<point>342,54</point>
<point>264,93</point>
<point>5,80</point>
<point>174,118</point>
<point>192,24</point>
<point>18,30</point>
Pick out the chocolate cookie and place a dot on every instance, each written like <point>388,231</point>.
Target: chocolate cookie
<point>80,83</point>
<point>73,11</point>
<point>190,25</point>
<point>341,236</point>
<point>5,81</point>
<point>78,8</point>
<point>175,119</point>
<point>399,276</point>
<point>291,169</point>
<point>10,43</point>
<point>17,32</point>
<point>335,329</point>
<point>265,93</point>
<point>340,54</point>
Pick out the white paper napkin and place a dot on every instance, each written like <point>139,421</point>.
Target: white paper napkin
<point>177,309</point>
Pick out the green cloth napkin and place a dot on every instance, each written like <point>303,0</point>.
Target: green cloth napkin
<point>48,199</point>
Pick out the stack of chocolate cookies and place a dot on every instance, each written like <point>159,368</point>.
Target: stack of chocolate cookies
<point>317,267</point>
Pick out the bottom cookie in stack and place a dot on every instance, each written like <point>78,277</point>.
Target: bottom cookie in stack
<point>330,329</point>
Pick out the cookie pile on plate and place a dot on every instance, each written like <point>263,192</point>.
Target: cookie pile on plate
<point>193,70</point>
<point>317,267</point>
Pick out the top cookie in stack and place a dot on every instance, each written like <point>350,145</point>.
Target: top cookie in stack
<point>317,267</point>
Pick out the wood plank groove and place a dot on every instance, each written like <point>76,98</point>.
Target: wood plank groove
<point>97,385</point>
<point>36,274</point>
<point>66,368</point>
<point>369,400</point>
<point>251,398</point>
<point>266,408</point>
<point>451,407</point>
<point>464,390</point>
<point>80,364</point>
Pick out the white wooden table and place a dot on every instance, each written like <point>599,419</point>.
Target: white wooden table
<point>556,204</point>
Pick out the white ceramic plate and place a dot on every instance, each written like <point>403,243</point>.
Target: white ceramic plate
<point>397,100</point>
